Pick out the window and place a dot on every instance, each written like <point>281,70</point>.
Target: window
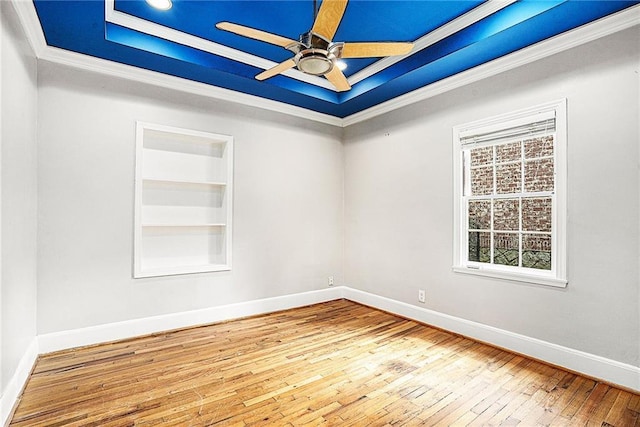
<point>509,196</point>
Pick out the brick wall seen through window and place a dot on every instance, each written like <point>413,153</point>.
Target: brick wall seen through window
<point>510,202</point>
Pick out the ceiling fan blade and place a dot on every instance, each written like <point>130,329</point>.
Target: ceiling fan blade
<point>283,66</point>
<point>329,17</point>
<point>337,78</point>
<point>255,34</point>
<point>371,50</point>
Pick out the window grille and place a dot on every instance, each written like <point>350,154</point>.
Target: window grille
<point>509,216</point>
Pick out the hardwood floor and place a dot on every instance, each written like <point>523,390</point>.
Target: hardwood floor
<point>337,363</point>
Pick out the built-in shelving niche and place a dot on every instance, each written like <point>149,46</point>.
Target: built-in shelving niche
<point>183,201</point>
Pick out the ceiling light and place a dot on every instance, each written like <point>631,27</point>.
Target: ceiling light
<point>314,61</point>
<point>341,64</point>
<point>160,4</point>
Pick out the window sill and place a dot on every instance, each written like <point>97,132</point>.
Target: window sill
<point>526,278</point>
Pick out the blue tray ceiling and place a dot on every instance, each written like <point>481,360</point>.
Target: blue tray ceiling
<point>184,42</point>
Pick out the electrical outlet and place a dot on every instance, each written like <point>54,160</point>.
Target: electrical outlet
<point>421,296</point>
<point>330,280</point>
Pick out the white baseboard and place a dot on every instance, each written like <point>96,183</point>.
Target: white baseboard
<point>611,371</point>
<point>17,382</point>
<point>47,343</point>
<point>132,328</point>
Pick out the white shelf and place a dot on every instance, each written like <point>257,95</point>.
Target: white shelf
<point>184,225</point>
<point>183,201</point>
<point>172,271</point>
<point>186,182</point>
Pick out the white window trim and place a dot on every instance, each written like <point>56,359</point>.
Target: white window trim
<point>558,276</point>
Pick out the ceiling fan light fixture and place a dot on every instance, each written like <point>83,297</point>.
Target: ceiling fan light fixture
<point>160,4</point>
<point>315,53</point>
<point>316,62</point>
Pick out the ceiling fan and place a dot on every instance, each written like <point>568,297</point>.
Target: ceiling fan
<point>314,52</point>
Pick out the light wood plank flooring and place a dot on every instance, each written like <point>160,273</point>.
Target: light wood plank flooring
<point>337,363</point>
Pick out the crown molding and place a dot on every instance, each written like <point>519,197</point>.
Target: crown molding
<point>26,12</point>
<point>129,72</point>
<point>433,37</point>
<point>579,36</point>
<point>29,20</point>
<point>138,24</point>
<point>141,25</point>
<point>160,31</point>
<point>603,27</point>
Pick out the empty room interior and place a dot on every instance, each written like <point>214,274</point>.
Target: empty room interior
<point>325,212</point>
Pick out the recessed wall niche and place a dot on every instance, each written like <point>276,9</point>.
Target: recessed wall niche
<point>183,201</point>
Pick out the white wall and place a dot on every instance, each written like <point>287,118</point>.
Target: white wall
<point>288,183</point>
<point>398,202</point>
<point>18,194</point>
<point>291,177</point>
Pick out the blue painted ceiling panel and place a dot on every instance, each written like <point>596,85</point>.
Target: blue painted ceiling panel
<point>184,41</point>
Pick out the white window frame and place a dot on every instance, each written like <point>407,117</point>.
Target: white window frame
<point>557,276</point>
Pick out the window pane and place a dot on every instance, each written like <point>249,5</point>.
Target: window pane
<point>479,246</point>
<point>480,214</point>
<point>538,175</point>
<point>506,213</point>
<point>505,249</point>
<point>482,180</point>
<point>538,147</point>
<point>508,152</point>
<point>536,251</point>
<point>536,214</point>
<point>508,178</point>
<point>481,156</point>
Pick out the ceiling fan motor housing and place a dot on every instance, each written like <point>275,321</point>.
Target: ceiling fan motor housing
<point>314,54</point>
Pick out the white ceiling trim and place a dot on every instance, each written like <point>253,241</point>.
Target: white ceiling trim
<point>138,24</point>
<point>31,24</point>
<point>581,35</point>
<point>129,72</point>
<point>601,28</point>
<point>160,31</point>
<point>29,20</point>
<point>452,27</point>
